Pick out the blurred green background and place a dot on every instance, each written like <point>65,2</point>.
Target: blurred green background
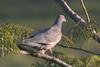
<point>40,14</point>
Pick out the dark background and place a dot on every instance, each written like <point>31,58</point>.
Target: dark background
<point>42,11</point>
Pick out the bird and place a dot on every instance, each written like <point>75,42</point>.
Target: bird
<point>46,39</point>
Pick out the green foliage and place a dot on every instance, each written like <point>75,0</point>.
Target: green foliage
<point>66,40</point>
<point>79,35</point>
<point>10,35</point>
<point>46,64</point>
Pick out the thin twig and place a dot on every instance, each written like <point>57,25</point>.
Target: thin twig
<point>81,49</point>
<point>85,11</point>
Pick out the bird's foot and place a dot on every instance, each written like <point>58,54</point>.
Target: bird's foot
<point>49,52</point>
<point>41,52</point>
<point>23,52</point>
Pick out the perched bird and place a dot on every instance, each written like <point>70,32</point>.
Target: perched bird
<point>47,38</point>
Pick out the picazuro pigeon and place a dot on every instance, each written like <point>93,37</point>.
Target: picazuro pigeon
<point>47,38</point>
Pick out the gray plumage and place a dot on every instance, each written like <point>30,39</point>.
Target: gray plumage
<point>47,38</point>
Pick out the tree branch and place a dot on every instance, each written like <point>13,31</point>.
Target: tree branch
<point>80,21</point>
<point>43,56</point>
<point>90,52</point>
<point>81,49</point>
<point>54,59</point>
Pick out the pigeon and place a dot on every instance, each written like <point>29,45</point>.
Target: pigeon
<point>46,39</point>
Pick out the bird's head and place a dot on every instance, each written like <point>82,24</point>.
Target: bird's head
<point>61,18</point>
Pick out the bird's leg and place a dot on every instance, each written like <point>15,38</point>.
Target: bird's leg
<point>49,51</point>
<point>42,52</point>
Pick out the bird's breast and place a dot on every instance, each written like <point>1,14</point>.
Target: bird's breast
<point>53,36</point>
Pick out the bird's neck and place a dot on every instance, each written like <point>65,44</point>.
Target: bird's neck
<point>58,24</point>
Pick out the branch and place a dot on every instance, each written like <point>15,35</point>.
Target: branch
<point>81,49</point>
<point>43,56</point>
<point>54,59</point>
<point>80,21</point>
<point>85,11</point>
<point>90,52</point>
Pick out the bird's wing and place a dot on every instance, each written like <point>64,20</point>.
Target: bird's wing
<point>37,33</point>
<point>38,37</point>
<point>46,36</point>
